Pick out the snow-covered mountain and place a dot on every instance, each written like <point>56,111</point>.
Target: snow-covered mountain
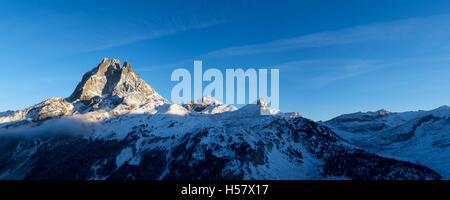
<point>208,105</point>
<point>422,137</point>
<point>115,126</point>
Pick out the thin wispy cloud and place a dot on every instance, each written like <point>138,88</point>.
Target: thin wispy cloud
<point>325,71</point>
<point>394,30</point>
<point>156,33</point>
<point>318,73</point>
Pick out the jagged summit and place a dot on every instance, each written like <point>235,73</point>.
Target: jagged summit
<point>109,87</point>
<point>383,112</point>
<point>207,100</point>
<point>115,126</point>
<point>111,79</point>
<point>208,105</point>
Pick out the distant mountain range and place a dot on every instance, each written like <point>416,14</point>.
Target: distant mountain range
<point>115,126</point>
<point>422,137</point>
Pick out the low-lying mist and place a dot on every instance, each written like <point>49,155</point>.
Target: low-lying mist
<point>53,127</point>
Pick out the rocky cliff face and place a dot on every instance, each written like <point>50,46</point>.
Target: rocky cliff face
<point>109,88</point>
<point>115,126</point>
<point>111,79</point>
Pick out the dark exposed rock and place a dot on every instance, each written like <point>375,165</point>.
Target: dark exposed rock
<point>179,143</point>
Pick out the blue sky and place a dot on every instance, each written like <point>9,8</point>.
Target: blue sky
<point>334,57</point>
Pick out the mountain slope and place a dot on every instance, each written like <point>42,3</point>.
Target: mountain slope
<point>208,105</point>
<point>421,137</point>
<point>115,126</point>
<point>107,90</point>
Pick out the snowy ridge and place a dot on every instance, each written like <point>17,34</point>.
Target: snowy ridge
<point>109,88</point>
<point>420,137</point>
<point>115,126</point>
<point>208,105</point>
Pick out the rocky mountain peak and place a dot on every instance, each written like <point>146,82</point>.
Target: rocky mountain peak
<point>208,105</point>
<point>109,87</point>
<point>383,112</point>
<point>111,79</point>
<point>207,100</point>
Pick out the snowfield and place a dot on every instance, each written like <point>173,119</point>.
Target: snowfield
<point>115,126</point>
<point>421,137</point>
